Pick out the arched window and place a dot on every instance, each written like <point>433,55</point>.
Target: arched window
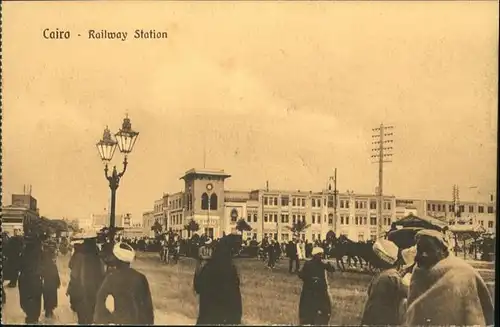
<point>213,201</point>
<point>204,201</point>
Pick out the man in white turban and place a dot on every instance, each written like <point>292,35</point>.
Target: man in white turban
<point>124,297</point>
<point>386,293</point>
<point>315,301</point>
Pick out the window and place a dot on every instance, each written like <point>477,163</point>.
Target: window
<point>471,209</point>
<point>480,209</point>
<point>266,217</point>
<point>490,224</point>
<point>314,219</point>
<point>234,215</point>
<point>204,201</point>
<point>324,201</point>
<point>330,219</point>
<point>275,201</point>
<point>285,218</point>
<point>373,204</point>
<point>318,202</point>
<point>255,217</point>
<point>365,220</point>
<point>347,220</point>
<point>303,202</point>
<point>265,201</point>
<point>294,202</point>
<point>481,222</point>
<point>461,209</point>
<point>450,208</point>
<point>249,217</point>
<point>490,209</point>
<point>373,221</point>
<point>356,220</point>
<point>213,202</point>
<point>284,202</point>
<point>313,203</point>
<point>439,207</point>
<point>433,206</point>
<point>276,218</point>
<point>347,204</point>
<point>356,204</point>
<point>324,219</point>
<point>428,207</point>
<point>304,218</point>
<point>342,203</point>
<point>294,219</point>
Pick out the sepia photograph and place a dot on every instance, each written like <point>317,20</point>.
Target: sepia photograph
<point>249,162</point>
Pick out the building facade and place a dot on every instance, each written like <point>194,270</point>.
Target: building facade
<point>23,208</point>
<point>273,212</point>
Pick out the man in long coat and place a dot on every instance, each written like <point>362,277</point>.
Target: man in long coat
<point>315,303</point>
<point>124,296</point>
<point>12,251</point>
<point>293,255</point>
<point>30,278</point>
<point>87,274</point>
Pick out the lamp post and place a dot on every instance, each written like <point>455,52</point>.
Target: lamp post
<point>125,139</point>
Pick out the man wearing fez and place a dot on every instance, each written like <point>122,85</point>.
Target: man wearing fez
<point>87,274</point>
<point>50,275</point>
<point>124,296</point>
<point>444,289</point>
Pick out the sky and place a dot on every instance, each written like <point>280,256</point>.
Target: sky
<point>278,92</point>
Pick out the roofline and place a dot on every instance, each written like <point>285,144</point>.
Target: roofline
<point>206,172</point>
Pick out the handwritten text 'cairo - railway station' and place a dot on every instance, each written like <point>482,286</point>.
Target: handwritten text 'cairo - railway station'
<point>57,34</point>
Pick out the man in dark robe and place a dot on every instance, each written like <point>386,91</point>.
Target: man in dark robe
<point>12,251</point>
<point>218,286</point>
<point>315,301</point>
<point>87,274</point>
<point>30,279</point>
<point>50,277</point>
<point>124,296</point>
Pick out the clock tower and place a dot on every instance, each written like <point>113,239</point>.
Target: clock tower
<point>204,199</point>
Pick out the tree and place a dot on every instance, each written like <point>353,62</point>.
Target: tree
<point>157,228</point>
<point>299,227</point>
<point>192,226</point>
<point>242,226</point>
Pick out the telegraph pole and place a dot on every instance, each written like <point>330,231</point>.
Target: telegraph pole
<point>382,142</point>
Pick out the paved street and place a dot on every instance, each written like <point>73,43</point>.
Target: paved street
<point>12,313</point>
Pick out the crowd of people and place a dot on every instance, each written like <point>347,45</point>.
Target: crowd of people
<point>103,288</point>
<point>432,287</point>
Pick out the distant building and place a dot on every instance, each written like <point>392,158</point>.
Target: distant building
<point>147,222</point>
<point>272,212</point>
<point>101,220</point>
<point>23,209</point>
<point>132,232</point>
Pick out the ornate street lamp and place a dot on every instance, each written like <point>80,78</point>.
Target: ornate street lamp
<point>125,140</point>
